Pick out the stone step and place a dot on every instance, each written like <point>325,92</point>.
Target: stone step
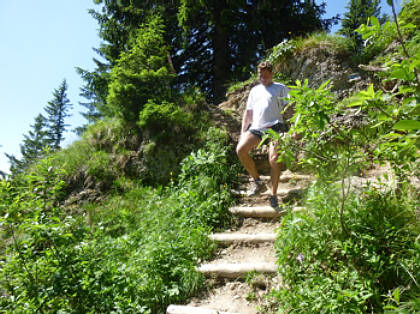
<point>243,237</point>
<point>236,270</point>
<point>261,211</point>
<point>183,309</point>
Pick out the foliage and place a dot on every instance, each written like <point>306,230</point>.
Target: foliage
<point>165,118</point>
<point>334,44</point>
<point>47,132</point>
<point>355,252</point>
<point>141,74</point>
<point>411,13</point>
<point>324,272</point>
<point>135,252</point>
<point>377,37</point>
<point>111,148</point>
<point>208,43</point>
<point>57,111</point>
<point>329,141</point>
<point>239,35</point>
<point>358,13</point>
<point>98,158</point>
<point>239,85</point>
<point>94,92</point>
<point>111,135</point>
<point>400,146</point>
<point>33,146</point>
<point>193,100</point>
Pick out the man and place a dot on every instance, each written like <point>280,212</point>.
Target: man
<point>263,111</point>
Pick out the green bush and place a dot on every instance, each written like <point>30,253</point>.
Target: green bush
<point>165,118</point>
<point>355,253</point>
<point>111,135</point>
<point>325,271</point>
<point>135,252</point>
<point>334,44</point>
<point>141,73</point>
<point>170,133</point>
<point>101,167</point>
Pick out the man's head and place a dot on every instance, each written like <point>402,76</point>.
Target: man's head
<point>265,73</point>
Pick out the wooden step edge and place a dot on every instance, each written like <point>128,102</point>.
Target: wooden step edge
<point>261,211</point>
<point>236,270</point>
<point>280,192</point>
<point>243,237</point>
<point>287,177</point>
<point>184,309</point>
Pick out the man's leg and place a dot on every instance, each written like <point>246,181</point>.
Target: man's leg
<point>247,142</point>
<point>275,167</point>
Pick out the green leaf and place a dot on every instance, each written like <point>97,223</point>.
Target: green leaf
<point>392,136</point>
<point>374,20</point>
<point>389,2</point>
<point>377,124</point>
<point>402,74</point>
<point>397,295</point>
<point>407,125</point>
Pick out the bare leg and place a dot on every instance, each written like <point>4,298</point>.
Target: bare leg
<point>275,167</point>
<point>247,142</point>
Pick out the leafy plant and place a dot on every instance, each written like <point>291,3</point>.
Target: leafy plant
<point>141,74</point>
<point>326,272</point>
<point>165,118</point>
<point>355,252</point>
<point>134,252</point>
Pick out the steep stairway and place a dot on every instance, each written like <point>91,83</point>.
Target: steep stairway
<point>244,269</point>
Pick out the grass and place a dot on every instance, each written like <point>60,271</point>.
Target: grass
<point>136,251</point>
<point>238,85</point>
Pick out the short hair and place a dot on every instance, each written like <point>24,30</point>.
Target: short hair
<point>266,65</point>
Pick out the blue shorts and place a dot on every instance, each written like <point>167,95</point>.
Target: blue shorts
<point>280,127</point>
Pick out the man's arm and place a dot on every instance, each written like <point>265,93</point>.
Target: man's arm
<point>246,120</point>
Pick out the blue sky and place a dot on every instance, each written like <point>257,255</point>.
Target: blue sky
<point>41,44</point>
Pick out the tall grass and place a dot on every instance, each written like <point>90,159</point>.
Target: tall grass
<point>134,252</point>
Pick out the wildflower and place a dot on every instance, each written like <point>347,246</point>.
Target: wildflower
<point>300,257</point>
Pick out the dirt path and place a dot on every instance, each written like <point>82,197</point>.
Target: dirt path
<point>244,270</point>
<point>232,285</point>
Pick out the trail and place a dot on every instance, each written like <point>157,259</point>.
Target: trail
<point>244,268</point>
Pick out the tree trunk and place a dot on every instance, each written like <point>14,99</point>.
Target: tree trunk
<point>221,52</point>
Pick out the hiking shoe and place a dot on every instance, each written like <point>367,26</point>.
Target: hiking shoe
<point>274,202</point>
<point>256,187</point>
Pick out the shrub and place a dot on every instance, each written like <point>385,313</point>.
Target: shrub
<point>165,119</point>
<point>111,135</point>
<point>325,271</point>
<point>135,252</point>
<point>334,44</point>
<point>140,74</point>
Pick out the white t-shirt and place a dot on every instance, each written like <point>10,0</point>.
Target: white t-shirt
<point>266,103</point>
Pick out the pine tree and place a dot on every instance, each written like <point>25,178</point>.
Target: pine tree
<point>233,35</point>
<point>141,74</point>
<point>33,146</point>
<point>2,174</point>
<point>358,13</point>
<point>57,110</point>
<point>36,140</point>
<point>210,43</point>
<point>94,102</point>
<point>45,132</point>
